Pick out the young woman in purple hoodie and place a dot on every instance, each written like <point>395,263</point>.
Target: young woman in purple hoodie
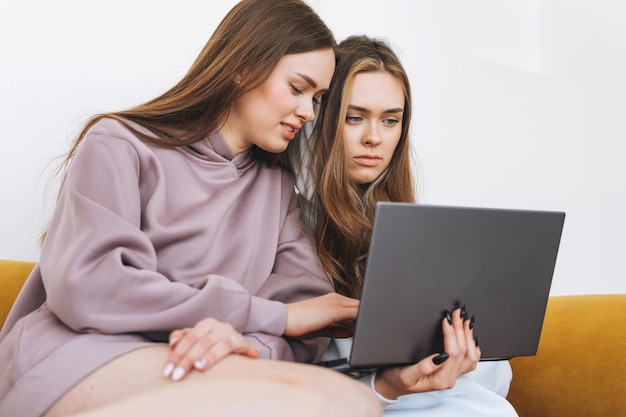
<point>180,214</point>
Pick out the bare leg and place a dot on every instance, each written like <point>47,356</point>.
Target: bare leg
<point>133,385</point>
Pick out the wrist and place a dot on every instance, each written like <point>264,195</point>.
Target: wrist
<point>383,390</point>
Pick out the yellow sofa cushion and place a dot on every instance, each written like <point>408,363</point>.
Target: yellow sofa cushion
<point>580,366</point>
<point>12,277</point>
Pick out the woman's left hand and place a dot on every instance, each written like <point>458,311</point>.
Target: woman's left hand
<point>203,345</point>
<point>436,372</point>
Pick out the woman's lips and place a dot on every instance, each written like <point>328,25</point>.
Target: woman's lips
<point>368,160</point>
<point>289,132</point>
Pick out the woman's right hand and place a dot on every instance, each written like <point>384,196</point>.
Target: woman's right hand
<point>201,346</point>
<point>321,316</point>
<point>438,371</point>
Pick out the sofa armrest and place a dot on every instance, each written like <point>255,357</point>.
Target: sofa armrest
<point>580,366</point>
<point>12,277</point>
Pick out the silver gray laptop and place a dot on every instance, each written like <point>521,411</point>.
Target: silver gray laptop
<point>424,259</point>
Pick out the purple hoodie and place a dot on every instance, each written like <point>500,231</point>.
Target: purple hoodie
<point>144,240</point>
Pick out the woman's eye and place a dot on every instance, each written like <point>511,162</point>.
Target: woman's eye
<point>353,119</point>
<point>296,90</point>
<point>390,122</point>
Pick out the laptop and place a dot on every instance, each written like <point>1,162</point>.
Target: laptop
<point>424,259</point>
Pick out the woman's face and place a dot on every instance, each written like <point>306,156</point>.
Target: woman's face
<point>373,125</point>
<point>270,115</point>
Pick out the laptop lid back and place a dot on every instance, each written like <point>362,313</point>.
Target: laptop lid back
<point>425,259</point>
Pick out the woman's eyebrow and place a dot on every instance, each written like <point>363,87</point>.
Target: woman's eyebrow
<point>358,108</point>
<point>308,79</point>
<point>364,110</point>
<point>396,110</point>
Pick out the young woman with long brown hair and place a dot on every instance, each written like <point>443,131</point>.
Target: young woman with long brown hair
<point>179,214</point>
<point>358,154</point>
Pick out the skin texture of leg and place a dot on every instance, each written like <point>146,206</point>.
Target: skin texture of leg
<point>133,385</point>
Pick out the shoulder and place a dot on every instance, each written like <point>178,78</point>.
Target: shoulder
<point>109,145</point>
<point>108,127</point>
<point>112,136</point>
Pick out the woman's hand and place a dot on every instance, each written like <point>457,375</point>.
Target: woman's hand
<point>321,316</point>
<point>438,371</point>
<point>206,343</point>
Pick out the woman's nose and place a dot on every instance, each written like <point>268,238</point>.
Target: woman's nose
<point>305,111</point>
<point>371,136</point>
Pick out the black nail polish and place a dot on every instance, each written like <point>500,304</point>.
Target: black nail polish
<point>471,325</point>
<point>448,316</point>
<point>441,358</point>
<point>476,341</point>
<point>463,312</point>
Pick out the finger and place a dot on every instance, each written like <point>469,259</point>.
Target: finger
<point>450,342</point>
<point>469,338</point>
<point>473,352</point>
<point>182,361</point>
<point>247,349</point>
<point>221,346</point>
<point>456,346</point>
<point>200,356</point>
<point>458,323</point>
<point>457,339</point>
<point>340,299</point>
<point>177,335</point>
<point>340,306</point>
<point>177,366</point>
<point>250,351</point>
<point>208,349</point>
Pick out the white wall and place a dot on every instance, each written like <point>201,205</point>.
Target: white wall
<point>518,104</point>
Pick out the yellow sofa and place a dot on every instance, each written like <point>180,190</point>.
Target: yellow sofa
<point>12,276</point>
<point>580,366</point>
<point>579,369</point>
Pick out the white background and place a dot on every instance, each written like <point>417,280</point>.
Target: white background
<point>518,103</point>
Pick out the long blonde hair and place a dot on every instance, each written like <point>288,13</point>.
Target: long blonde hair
<point>345,210</point>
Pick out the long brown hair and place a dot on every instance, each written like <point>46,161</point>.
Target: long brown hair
<point>246,46</point>
<point>345,210</point>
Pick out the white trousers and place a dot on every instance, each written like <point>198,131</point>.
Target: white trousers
<point>480,393</point>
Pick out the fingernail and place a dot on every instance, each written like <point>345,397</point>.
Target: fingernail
<point>463,312</point>
<point>178,374</point>
<point>476,341</point>
<point>200,363</point>
<point>168,370</point>
<point>448,316</point>
<point>173,341</point>
<point>441,358</point>
<point>472,320</point>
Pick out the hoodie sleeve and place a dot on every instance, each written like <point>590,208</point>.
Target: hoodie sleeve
<point>297,276</point>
